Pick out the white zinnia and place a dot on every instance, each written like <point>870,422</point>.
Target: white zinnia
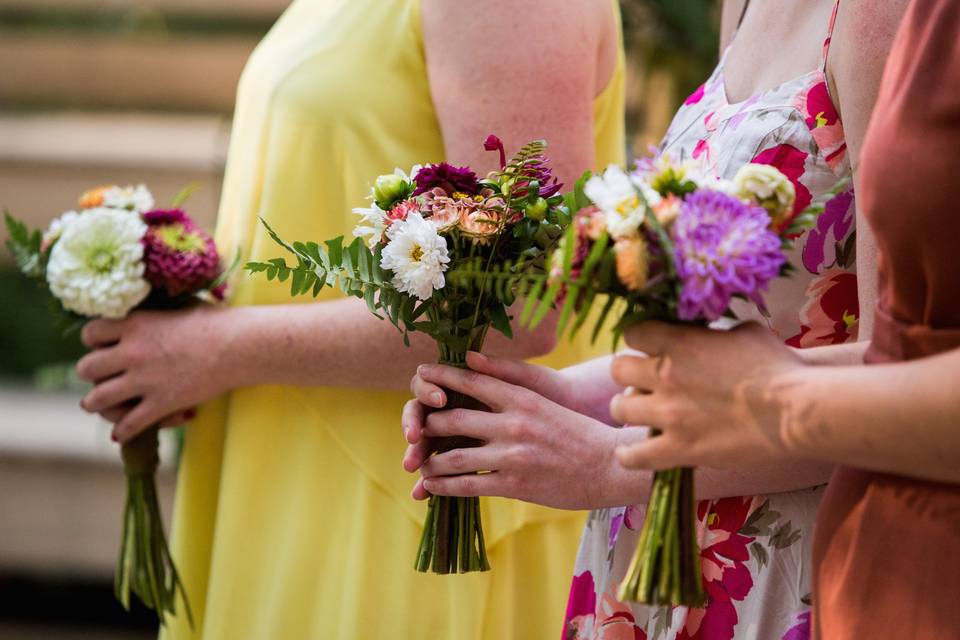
<point>57,227</point>
<point>130,198</point>
<point>417,255</point>
<point>96,268</point>
<point>372,225</point>
<point>615,194</point>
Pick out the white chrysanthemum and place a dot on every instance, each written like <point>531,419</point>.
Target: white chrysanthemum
<point>615,194</point>
<point>96,268</point>
<point>417,255</point>
<point>56,228</point>
<point>372,225</point>
<point>130,198</point>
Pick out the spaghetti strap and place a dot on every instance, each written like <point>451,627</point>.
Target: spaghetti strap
<point>743,14</point>
<point>826,43</point>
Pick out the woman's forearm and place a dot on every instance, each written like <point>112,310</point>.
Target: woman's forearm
<point>338,344</point>
<point>850,353</point>
<point>899,418</point>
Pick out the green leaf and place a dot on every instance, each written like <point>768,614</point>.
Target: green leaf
<point>184,194</point>
<point>25,247</point>
<point>500,321</point>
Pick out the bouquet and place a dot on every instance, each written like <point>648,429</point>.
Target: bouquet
<point>419,227</point>
<point>666,243</point>
<point>114,254</point>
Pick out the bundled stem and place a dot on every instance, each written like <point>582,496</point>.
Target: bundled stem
<point>665,569</point>
<point>452,540</point>
<point>145,567</point>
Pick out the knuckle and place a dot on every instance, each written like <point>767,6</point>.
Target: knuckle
<point>457,460</point>
<point>516,430</point>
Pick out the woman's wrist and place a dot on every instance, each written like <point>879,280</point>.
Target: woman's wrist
<point>797,393</point>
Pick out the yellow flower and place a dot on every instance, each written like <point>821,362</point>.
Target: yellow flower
<point>633,267</point>
<point>94,197</point>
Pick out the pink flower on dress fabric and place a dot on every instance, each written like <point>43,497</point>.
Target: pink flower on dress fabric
<point>697,95</point>
<point>831,313</point>
<point>615,621</point>
<point>724,552</point>
<point>833,227</point>
<point>792,163</point>
<point>823,120</point>
<point>582,601</point>
<point>703,147</point>
<point>800,631</point>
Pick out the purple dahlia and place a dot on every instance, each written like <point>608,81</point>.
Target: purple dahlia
<point>448,177</point>
<point>723,248</point>
<point>180,258</point>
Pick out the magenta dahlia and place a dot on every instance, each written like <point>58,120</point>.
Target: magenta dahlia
<point>448,177</point>
<point>180,258</point>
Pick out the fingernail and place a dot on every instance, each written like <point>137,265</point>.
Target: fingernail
<point>479,356</point>
<point>436,399</point>
<point>424,369</point>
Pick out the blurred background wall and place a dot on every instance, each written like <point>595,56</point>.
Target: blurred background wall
<point>129,91</point>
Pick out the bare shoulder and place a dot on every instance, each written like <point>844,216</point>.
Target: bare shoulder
<point>547,34</point>
<point>866,29</point>
<point>530,18</point>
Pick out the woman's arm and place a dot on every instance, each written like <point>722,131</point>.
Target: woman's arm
<point>859,48</point>
<point>492,72</point>
<point>740,397</point>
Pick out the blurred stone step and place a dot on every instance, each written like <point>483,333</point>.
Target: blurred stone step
<point>264,9</point>
<point>90,70</point>
<point>62,486</point>
<point>48,159</point>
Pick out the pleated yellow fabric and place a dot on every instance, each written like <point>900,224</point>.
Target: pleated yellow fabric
<point>293,517</point>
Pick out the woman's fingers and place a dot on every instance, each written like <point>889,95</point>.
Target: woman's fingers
<point>418,492</point>
<point>468,486</point>
<point>101,332</point>
<point>515,372</point>
<point>411,421</point>
<point>637,371</point>
<point>460,461</point>
<point>100,364</point>
<point>428,393</point>
<point>109,394</point>
<point>635,407</point>
<point>138,420</point>
<point>481,425</point>
<point>490,391</point>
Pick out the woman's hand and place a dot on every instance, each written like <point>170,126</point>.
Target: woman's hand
<point>544,381</point>
<point>533,448</point>
<point>152,367</point>
<point>717,396</point>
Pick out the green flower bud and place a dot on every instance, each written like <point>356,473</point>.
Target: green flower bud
<point>537,210</point>
<point>389,188</point>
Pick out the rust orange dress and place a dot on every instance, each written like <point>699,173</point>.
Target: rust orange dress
<point>887,548</point>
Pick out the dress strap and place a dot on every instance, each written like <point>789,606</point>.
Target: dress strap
<point>826,43</point>
<point>743,13</point>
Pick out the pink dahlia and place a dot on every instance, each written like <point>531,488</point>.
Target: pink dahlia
<point>180,258</point>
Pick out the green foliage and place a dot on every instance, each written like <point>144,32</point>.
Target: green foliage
<point>29,341</point>
<point>25,247</point>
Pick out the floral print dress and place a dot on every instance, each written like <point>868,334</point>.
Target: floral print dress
<point>755,550</point>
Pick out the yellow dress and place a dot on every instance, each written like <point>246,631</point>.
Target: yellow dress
<point>293,517</point>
